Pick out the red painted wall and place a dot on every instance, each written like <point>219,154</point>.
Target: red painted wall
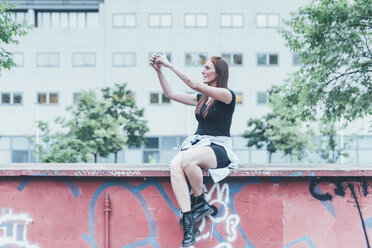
<point>258,212</point>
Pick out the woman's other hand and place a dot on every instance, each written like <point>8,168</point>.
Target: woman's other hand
<point>161,59</point>
<point>154,64</point>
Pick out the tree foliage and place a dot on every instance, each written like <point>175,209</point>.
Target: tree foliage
<point>275,133</point>
<point>333,39</point>
<point>328,148</point>
<point>256,134</point>
<point>92,124</point>
<point>94,129</point>
<point>123,105</point>
<point>9,30</point>
<point>59,147</point>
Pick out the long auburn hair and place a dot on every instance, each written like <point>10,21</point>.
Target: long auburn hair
<point>222,70</point>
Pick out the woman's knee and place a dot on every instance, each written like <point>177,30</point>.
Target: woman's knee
<point>188,160</point>
<point>176,164</point>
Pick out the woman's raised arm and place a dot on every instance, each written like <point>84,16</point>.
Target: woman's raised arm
<point>220,94</point>
<point>188,99</point>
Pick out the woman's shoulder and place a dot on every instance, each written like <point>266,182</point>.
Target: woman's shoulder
<point>232,92</point>
<point>233,96</point>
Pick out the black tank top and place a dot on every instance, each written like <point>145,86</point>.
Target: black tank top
<point>218,120</point>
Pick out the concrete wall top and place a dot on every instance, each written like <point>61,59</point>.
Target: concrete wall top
<point>162,170</point>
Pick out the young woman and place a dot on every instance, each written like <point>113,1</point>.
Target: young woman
<point>210,147</point>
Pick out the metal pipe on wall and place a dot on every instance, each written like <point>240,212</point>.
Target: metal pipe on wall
<point>107,210</point>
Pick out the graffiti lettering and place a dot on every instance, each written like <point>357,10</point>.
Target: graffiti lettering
<point>339,190</point>
<point>13,229</point>
<point>252,212</point>
<point>326,196</point>
<point>126,173</point>
<point>231,220</point>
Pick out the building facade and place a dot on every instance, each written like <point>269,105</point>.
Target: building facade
<point>80,45</point>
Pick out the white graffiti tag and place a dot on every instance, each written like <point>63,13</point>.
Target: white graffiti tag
<point>230,221</point>
<point>13,229</point>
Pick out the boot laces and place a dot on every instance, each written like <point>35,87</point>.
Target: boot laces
<point>187,224</point>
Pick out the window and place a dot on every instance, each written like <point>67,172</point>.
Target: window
<point>196,20</point>
<point>158,98</point>
<point>167,54</point>
<point>20,156</point>
<point>5,98</point>
<point>19,16</point>
<point>154,97</point>
<point>267,20</point>
<point>76,97</point>
<point>47,59</point>
<point>161,149</point>
<point>365,142</point>
<point>296,59</point>
<point>17,98</point>
<point>262,97</point>
<point>164,99</point>
<point>231,20</point>
<point>11,98</point>
<point>18,59</point>
<point>20,149</point>
<point>58,19</point>
<point>168,148</point>
<point>81,20</point>
<point>267,59</point>
<point>195,59</point>
<point>64,20</point>
<point>124,59</point>
<point>233,58</point>
<point>42,98</point>
<point>53,98</point>
<point>84,59</point>
<point>239,97</point>
<point>160,20</point>
<point>151,150</point>
<point>55,19</point>
<point>19,143</point>
<point>47,98</point>
<point>241,149</point>
<point>124,20</point>
<point>72,20</point>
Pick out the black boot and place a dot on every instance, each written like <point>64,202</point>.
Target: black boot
<point>199,208</point>
<point>190,230</point>
<point>192,201</point>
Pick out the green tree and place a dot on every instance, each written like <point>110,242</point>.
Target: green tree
<point>124,105</point>
<point>275,133</point>
<point>328,148</point>
<point>98,126</point>
<point>256,134</point>
<point>9,30</point>
<point>59,147</point>
<point>90,131</point>
<point>333,39</point>
<point>92,124</point>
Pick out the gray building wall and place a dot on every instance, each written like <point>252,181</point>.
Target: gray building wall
<point>103,39</point>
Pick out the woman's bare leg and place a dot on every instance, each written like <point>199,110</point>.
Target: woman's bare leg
<point>193,160</point>
<point>179,183</point>
<point>189,163</point>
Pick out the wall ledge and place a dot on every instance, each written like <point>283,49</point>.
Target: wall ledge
<point>162,170</point>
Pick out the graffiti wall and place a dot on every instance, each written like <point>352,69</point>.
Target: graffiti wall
<point>260,212</point>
